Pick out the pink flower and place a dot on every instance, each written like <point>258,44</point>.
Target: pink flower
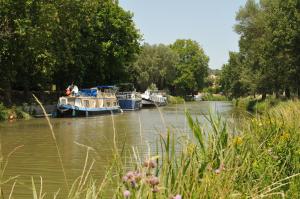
<point>150,164</point>
<point>218,171</point>
<point>126,194</point>
<point>153,180</point>
<point>177,197</point>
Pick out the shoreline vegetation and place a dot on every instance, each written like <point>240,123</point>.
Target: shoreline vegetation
<point>259,158</point>
<point>12,113</point>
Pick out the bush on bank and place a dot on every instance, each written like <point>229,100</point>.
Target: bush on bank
<point>213,97</point>
<point>175,99</point>
<point>15,112</point>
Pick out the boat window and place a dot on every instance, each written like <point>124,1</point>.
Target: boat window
<point>108,104</point>
<point>86,103</point>
<point>100,103</point>
<point>78,102</point>
<point>71,101</point>
<point>115,103</point>
<point>63,101</point>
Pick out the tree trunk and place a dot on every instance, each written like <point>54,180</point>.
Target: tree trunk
<point>7,94</point>
<point>264,96</point>
<point>288,93</point>
<point>277,94</point>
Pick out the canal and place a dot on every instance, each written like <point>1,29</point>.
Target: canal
<point>36,154</point>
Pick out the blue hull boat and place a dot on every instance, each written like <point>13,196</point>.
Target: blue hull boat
<point>128,98</point>
<point>130,104</point>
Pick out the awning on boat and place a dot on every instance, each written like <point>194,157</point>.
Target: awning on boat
<point>89,92</point>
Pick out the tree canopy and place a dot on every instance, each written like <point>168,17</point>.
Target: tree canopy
<point>58,42</point>
<point>180,67</point>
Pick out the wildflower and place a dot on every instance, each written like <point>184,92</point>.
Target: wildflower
<point>238,140</point>
<point>153,181</point>
<point>126,194</point>
<point>150,163</point>
<point>177,197</point>
<point>217,171</point>
<point>132,178</point>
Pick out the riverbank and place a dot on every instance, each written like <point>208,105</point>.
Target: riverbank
<point>213,97</point>
<point>257,105</point>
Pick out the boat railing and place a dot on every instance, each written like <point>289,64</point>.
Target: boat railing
<point>125,95</point>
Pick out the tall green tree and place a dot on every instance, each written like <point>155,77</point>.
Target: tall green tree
<point>99,40</point>
<point>192,67</point>
<point>155,64</point>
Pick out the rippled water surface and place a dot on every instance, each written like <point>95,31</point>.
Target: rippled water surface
<point>37,155</point>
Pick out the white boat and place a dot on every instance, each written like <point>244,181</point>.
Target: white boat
<point>87,102</point>
<point>153,98</point>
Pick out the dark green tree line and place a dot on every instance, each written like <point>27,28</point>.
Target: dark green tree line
<point>58,42</point>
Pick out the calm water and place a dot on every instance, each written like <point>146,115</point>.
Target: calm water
<point>38,156</point>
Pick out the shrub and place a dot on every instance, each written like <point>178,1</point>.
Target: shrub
<point>175,99</point>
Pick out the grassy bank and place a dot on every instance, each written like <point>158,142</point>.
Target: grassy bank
<point>258,159</point>
<point>256,105</point>
<point>213,97</point>
<point>14,112</point>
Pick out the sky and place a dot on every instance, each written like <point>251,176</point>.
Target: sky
<point>209,22</point>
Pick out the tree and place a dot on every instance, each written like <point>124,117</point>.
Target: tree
<point>192,67</point>
<point>155,64</point>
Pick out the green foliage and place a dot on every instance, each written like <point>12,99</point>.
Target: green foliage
<point>3,112</point>
<point>192,68</point>
<point>14,112</point>
<point>155,64</point>
<point>213,97</point>
<point>175,99</point>
<point>58,42</point>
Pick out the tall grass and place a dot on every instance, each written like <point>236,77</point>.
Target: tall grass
<point>260,160</point>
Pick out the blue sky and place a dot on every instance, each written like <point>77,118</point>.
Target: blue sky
<point>209,22</point>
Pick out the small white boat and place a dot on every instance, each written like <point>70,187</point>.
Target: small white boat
<point>153,98</point>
